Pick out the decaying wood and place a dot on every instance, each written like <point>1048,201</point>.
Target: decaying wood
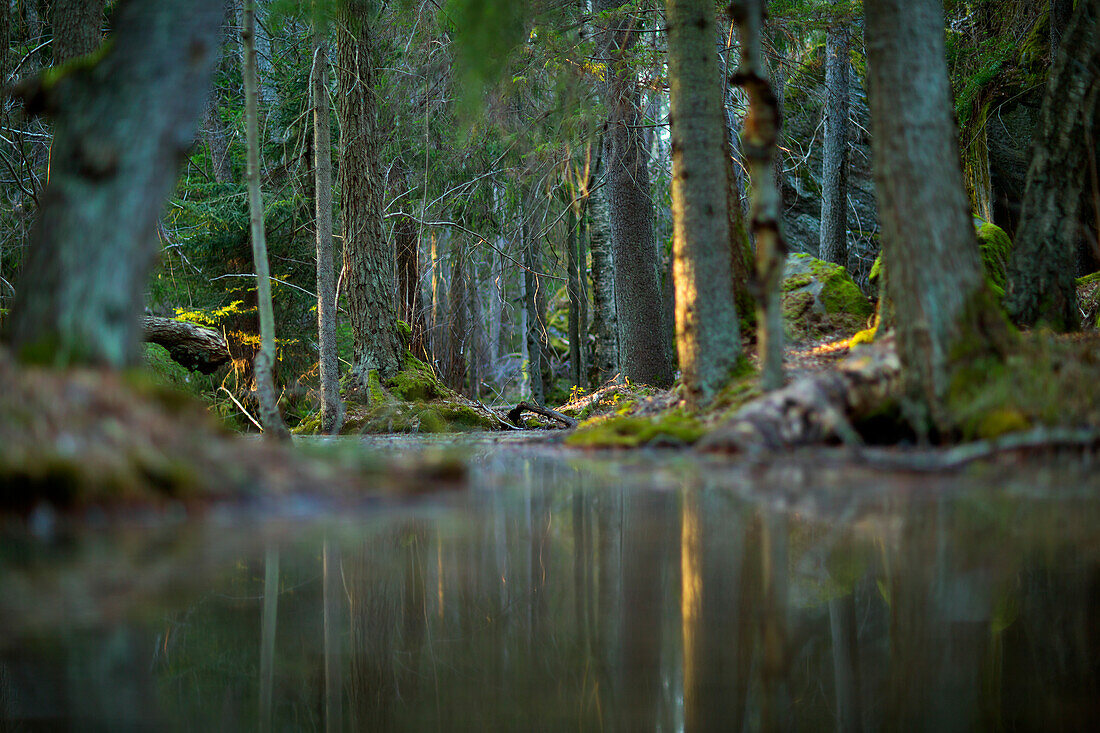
<point>195,347</point>
<point>579,405</point>
<point>815,409</point>
<point>516,414</point>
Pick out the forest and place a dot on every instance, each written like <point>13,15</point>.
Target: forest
<point>435,294</point>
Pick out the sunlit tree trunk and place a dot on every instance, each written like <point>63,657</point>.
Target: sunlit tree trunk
<point>264,364</point>
<point>77,28</point>
<point>121,128</point>
<point>368,258</point>
<point>707,335</point>
<point>834,168</point>
<point>760,136</point>
<point>643,353</point>
<point>332,408</point>
<point>935,281</point>
<point>1041,285</point>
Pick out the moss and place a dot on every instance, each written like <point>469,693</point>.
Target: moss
<point>742,387</point>
<point>633,431</point>
<point>417,382</point>
<point>1043,380</point>
<point>996,248</point>
<point>797,281</point>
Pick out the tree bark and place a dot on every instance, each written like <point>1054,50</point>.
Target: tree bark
<point>264,365</point>
<point>77,28</point>
<point>573,285</point>
<point>535,325</point>
<point>332,408</point>
<point>193,346</point>
<point>410,309</point>
<point>936,280</point>
<point>605,328</point>
<point>1040,272</point>
<point>637,284</point>
<point>708,339</point>
<point>368,258</point>
<point>1060,13</point>
<point>834,167</point>
<point>121,128</point>
<point>760,138</point>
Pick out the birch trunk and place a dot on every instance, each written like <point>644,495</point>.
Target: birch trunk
<point>264,364</point>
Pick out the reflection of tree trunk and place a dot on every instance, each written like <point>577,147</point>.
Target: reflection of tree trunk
<point>645,549</point>
<point>715,613</point>
<point>775,710</point>
<point>413,541</point>
<point>374,592</point>
<point>332,593</point>
<point>582,568</point>
<point>267,636</point>
<point>846,677</point>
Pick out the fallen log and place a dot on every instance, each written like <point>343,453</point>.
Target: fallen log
<point>815,409</point>
<point>516,413</point>
<point>195,347</point>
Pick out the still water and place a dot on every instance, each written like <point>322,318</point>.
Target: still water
<point>655,591</point>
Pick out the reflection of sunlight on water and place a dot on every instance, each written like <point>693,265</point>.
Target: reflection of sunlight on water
<point>631,591</point>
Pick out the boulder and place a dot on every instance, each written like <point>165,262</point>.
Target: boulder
<point>821,299</point>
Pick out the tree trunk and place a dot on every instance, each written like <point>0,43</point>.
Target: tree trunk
<point>637,284</point>
<point>455,371</point>
<point>193,346</point>
<point>121,128</point>
<point>332,408</point>
<point>834,168</point>
<point>77,28</point>
<point>707,335</point>
<point>1040,272</point>
<point>605,329</point>
<point>368,258</point>
<point>535,327</point>
<point>760,136</point>
<point>936,280</point>
<point>410,309</point>
<point>574,288</point>
<point>264,364</point>
<point>1060,13</point>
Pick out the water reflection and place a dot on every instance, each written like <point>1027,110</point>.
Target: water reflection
<point>654,593</point>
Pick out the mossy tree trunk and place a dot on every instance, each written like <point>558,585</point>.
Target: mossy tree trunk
<point>77,28</point>
<point>935,274</point>
<point>759,138</point>
<point>121,128</point>
<point>264,364</point>
<point>643,356</point>
<point>368,258</point>
<point>833,246</point>
<point>1040,273</point>
<point>708,339</point>
<point>332,408</point>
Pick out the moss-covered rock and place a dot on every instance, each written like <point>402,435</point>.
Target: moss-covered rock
<point>821,299</point>
<point>673,428</point>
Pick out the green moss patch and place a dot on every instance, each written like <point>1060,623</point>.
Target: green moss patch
<point>821,299</point>
<point>632,431</point>
<point>1045,381</point>
<point>996,248</point>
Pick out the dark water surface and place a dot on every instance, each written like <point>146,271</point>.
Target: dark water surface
<point>660,591</point>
